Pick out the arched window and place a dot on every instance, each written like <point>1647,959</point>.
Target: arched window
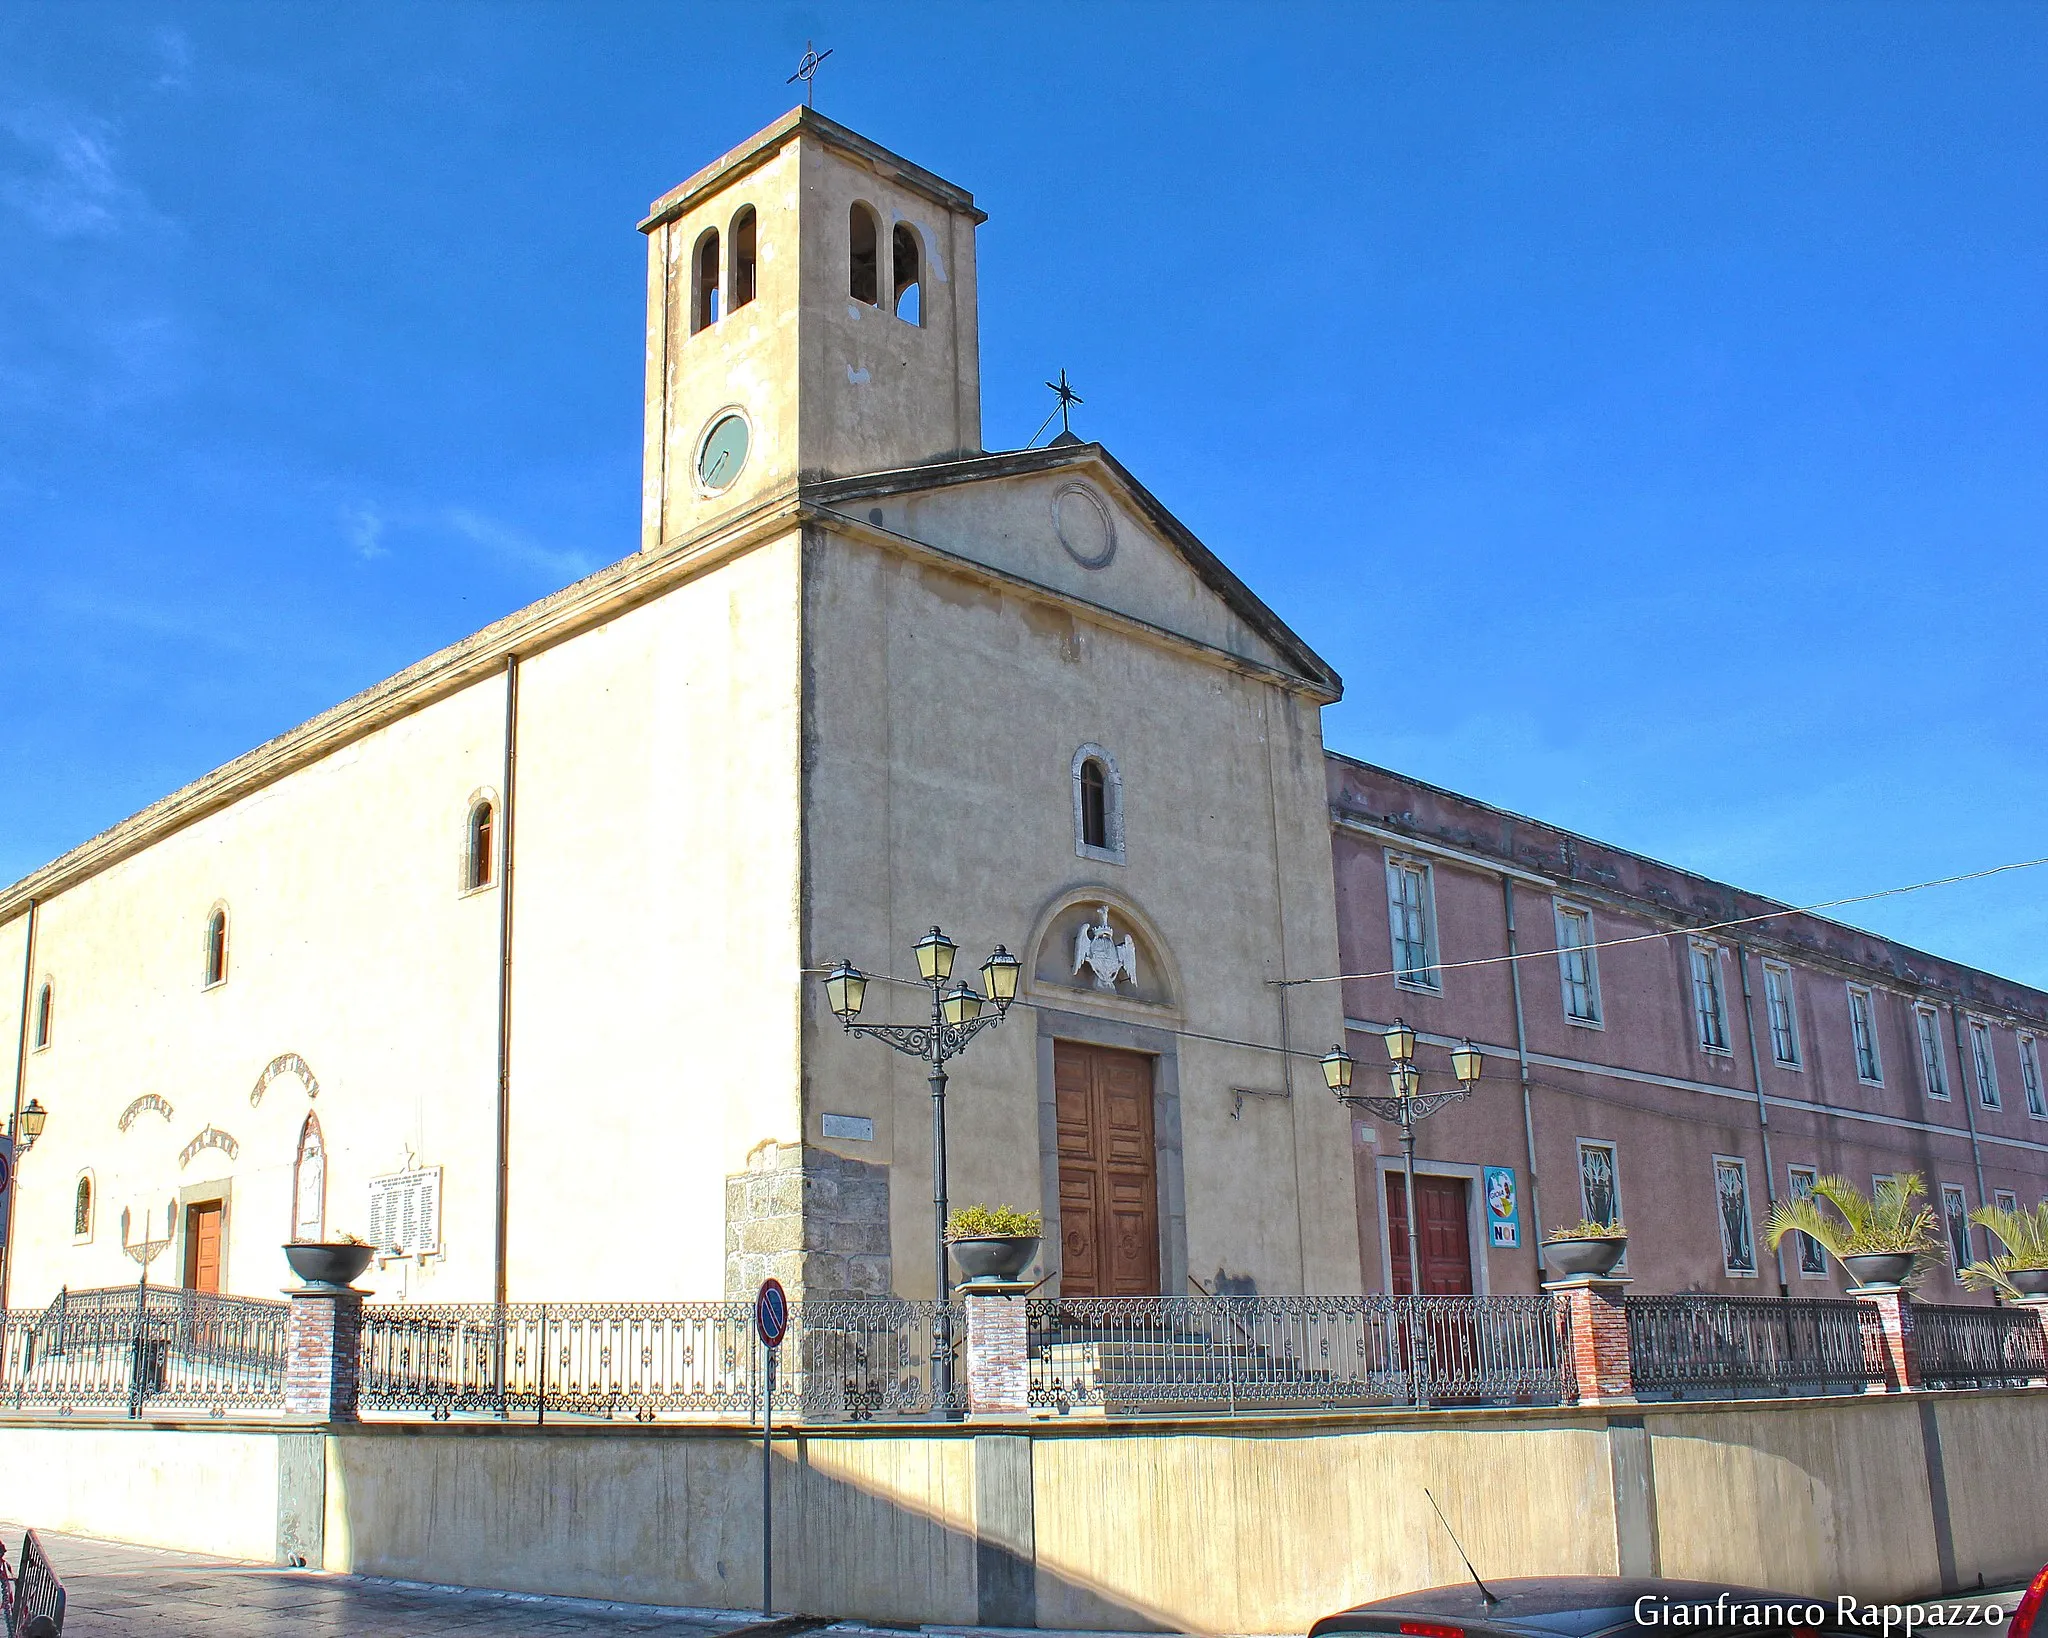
<point>45,1000</point>
<point>704,282</point>
<point>1094,804</point>
<point>907,274</point>
<point>217,947</point>
<point>309,1184</point>
<point>863,256</point>
<point>742,285</point>
<point>479,857</point>
<point>81,1208</point>
<point>1098,806</point>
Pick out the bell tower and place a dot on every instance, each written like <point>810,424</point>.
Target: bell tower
<point>810,313</point>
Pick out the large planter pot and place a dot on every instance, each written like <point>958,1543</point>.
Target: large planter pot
<point>1879,1267</point>
<point>327,1267</point>
<point>2029,1282</point>
<point>993,1259</point>
<point>1570,1259</point>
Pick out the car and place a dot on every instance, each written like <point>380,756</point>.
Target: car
<point>1595,1606</point>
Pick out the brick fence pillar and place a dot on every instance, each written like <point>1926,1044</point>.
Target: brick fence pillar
<point>323,1348</point>
<point>1597,1329</point>
<point>1895,1336</point>
<point>998,1355</point>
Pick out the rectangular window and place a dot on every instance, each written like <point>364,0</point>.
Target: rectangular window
<point>1709,1007</point>
<point>1863,1030</point>
<point>1955,1214</point>
<point>1981,1060</point>
<point>1576,964</point>
<point>1813,1262</point>
<point>1933,1067</point>
<point>1731,1198</point>
<point>1778,1009</point>
<point>1411,912</point>
<point>1599,1182</point>
<point>2005,1200</point>
<point>2030,1078</point>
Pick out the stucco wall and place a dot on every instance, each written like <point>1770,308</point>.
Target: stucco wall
<point>1251,1526</point>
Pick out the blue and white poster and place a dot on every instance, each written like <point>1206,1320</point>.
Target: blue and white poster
<point>1503,1209</point>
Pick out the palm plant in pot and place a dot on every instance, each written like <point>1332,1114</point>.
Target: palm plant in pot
<point>1586,1247</point>
<point>993,1244</point>
<point>2021,1270</point>
<point>1888,1237</point>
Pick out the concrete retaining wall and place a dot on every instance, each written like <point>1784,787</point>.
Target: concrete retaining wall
<point>1257,1526</point>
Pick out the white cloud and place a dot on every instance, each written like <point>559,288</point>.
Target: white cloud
<point>519,550</point>
<point>61,177</point>
<point>363,524</point>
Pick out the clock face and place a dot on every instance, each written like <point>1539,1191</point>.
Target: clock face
<point>724,452</point>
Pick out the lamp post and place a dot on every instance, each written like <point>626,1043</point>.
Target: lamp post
<point>33,1119</point>
<point>958,1016</point>
<point>1407,1105</point>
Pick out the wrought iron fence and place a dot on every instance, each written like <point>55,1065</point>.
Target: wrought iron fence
<point>1978,1347</point>
<point>34,1590</point>
<point>1163,1354</point>
<point>141,1349</point>
<point>852,1358</point>
<point>1706,1346</point>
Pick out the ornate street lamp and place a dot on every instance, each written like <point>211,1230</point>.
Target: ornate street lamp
<point>33,1120</point>
<point>959,1013</point>
<point>1407,1105</point>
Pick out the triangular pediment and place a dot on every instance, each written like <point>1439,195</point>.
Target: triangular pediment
<point>1071,519</point>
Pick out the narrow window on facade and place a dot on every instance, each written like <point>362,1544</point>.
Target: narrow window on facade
<point>45,1001</point>
<point>1863,1031</point>
<point>863,256</point>
<point>217,948</point>
<point>1098,805</point>
<point>1812,1260</point>
<point>1983,1063</point>
<point>1731,1198</point>
<point>2030,1078</point>
<point>479,855</point>
<point>1955,1214</point>
<point>1577,966</point>
<point>1778,1011</point>
<point>309,1184</point>
<point>2005,1200</point>
<point>1600,1185</point>
<point>1709,1005</point>
<point>906,274</point>
<point>81,1209</point>
<point>1933,1067</point>
<point>742,285</point>
<point>1411,912</point>
<point>704,282</point>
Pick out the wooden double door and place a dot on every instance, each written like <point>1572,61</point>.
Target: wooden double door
<point>203,1224</point>
<point>1109,1172</point>
<point>1446,1234</point>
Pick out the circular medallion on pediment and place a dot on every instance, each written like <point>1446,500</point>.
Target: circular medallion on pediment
<point>1084,524</point>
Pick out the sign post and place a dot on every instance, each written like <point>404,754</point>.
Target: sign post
<point>771,1324</point>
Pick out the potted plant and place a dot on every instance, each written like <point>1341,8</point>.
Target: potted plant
<point>329,1265</point>
<point>1881,1239</point>
<point>1585,1248</point>
<point>2021,1270</point>
<point>993,1244</point>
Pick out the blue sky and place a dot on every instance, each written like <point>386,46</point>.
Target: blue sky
<point>1644,407</point>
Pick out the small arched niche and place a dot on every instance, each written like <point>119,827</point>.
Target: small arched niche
<point>1093,946</point>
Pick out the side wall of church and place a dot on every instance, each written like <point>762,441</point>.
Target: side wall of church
<point>655,989</point>
<point>942,720</point>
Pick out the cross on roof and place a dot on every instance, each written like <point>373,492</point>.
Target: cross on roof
<point>1068,398</point>
<point>807,70</point>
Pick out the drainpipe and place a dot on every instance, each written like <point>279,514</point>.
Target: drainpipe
<point>503,1202</point>
<point>28,967</point>
<point>1507,899</point>
<point>1763,1113</point>
<point>1965,1067</point>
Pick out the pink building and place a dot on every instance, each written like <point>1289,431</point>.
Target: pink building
<point>1683,1082</point>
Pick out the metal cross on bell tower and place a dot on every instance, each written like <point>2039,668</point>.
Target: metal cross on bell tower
<point>1068,398</point>
<point>807,70</point>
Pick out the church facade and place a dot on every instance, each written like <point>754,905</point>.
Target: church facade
<point>513,964</point>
